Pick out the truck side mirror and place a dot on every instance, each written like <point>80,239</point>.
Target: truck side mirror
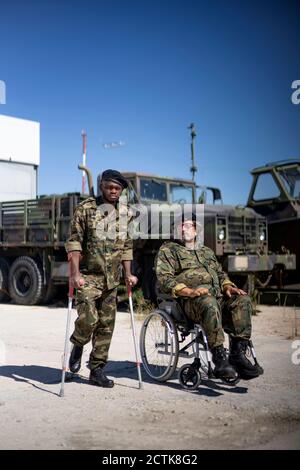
<point>216,192</point>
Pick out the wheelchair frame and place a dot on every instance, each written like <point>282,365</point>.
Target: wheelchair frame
<point>160,346</point>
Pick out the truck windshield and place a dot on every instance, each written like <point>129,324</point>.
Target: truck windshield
<point>266,188</point>
<point>153,189</point>
<point>291,180</point>
<point>181,194</point>
<point>131,192</point>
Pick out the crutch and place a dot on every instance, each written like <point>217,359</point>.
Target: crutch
<point>67,342</point>
<point>138,362</point>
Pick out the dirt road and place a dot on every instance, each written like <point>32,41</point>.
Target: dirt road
<point>258,414</point>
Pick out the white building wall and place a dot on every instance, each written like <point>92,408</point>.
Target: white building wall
<point>19,158</point>
<point>19,140</point>
<point>17,181</point>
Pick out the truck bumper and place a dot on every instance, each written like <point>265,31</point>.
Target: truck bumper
<point>254,263</point>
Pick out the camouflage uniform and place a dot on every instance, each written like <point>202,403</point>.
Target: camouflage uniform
<point>102,237</point>
<point>178,267</point>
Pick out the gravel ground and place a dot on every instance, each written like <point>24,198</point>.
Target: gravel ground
<point>260,414</point>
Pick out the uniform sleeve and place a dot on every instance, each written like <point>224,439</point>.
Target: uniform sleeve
<point>165,271</point>
<point>127,254</point>
<point>222,275</point>
<point>77,231</point>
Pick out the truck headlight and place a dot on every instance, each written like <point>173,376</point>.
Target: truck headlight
<point>221,233</point>
<point>262,236</point>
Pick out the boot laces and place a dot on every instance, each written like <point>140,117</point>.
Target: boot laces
<point>246,349</point>
<point>220,353</point>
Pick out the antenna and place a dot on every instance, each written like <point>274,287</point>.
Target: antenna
<point>83,133</point>
<point>193,168</point>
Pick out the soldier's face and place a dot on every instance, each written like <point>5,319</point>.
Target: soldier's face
<point>188,231</point>
<point>111,191</point>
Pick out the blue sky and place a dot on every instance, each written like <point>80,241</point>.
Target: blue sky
<point>141,72</point>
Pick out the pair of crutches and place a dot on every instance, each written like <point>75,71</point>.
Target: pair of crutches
<point>67,342</point>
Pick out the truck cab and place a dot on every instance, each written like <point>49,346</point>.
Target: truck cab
<point>275,194</point>
<point>238,235</point>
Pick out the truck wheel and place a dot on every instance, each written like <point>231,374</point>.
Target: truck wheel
<point>25,281</point>
<point>4,269</point>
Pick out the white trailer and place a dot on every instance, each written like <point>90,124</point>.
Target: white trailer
<point>19,158</point>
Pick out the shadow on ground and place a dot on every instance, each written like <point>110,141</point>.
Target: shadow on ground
<point>116,369</point>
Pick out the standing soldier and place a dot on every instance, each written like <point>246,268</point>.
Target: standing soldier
<point>190,272</point>
<point>99,238</point>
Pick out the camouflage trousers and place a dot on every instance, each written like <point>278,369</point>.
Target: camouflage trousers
<point>231,314</point>
<point>96,308</point>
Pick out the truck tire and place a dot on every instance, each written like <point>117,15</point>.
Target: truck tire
<point>25,281</point>
<point>4,270</point>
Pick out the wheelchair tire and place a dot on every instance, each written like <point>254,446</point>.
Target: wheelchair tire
<point>159,345</point>
<point>189,377</point>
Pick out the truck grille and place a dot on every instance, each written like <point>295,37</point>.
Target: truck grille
<point>242,231</point>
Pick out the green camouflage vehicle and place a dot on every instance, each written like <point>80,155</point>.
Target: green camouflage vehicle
<point>275,194</point>
<point>33,260</point>
<point>238,235</point>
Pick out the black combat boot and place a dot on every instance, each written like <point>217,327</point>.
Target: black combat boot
<point>75,358</point>
<point>239,360</point>
<point>98,377</point>
<point>222,367</point>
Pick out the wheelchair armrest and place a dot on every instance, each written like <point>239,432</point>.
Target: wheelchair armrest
<point>161,297</point>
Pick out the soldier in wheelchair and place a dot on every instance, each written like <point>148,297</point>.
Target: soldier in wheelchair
<point>207,302</point>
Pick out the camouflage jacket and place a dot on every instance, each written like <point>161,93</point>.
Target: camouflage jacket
<point>178,267</point>
<point>100,232</point>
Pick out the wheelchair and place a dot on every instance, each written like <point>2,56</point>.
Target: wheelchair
<point>163,341</point>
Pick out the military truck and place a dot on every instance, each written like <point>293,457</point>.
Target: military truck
<point>33,232</point>
<point>32,255</point>
<point>237,235</point>
<point>275,194</point>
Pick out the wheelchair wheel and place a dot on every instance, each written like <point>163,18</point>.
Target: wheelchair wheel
<point>159,346</point>
<point>189,377</point>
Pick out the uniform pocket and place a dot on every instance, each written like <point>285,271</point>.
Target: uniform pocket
<point>188,263</point>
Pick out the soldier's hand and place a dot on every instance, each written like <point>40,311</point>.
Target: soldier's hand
<point>192,293</point>
<point>201,291</point>
<point>131,280</point>
<point>77,281</point>
<point>231,290</point>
